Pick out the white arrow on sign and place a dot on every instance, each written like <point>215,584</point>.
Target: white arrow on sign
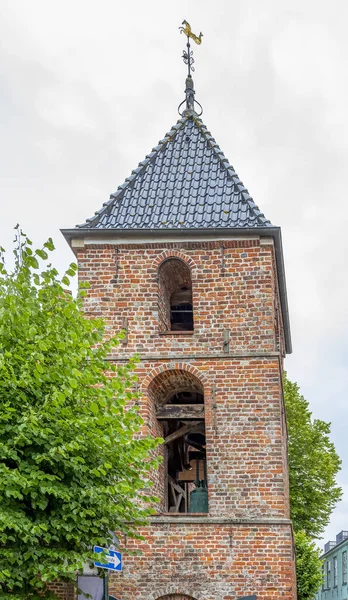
<point>114,560</point>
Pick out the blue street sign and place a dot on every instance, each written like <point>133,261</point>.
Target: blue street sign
<point>114,559</point>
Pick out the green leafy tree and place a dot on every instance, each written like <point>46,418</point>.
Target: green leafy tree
<point>313,466</point>
<point>73,463</point>
<point>308,567</point>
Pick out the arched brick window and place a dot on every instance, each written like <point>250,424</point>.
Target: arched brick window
<point>175,307</point>
<point>178,396</point>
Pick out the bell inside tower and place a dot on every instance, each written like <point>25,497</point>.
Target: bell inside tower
<point>186,457</point>
<point>182,418</point>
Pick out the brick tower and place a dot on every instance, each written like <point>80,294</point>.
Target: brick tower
<point>182,258</point>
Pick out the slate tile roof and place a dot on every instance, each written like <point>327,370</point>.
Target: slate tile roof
<point>185,182</point>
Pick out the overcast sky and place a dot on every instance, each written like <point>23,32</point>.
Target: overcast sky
<point>87,88</point>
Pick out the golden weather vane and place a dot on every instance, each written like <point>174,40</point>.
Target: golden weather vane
<point>188,54</point>
<point>187,31</point>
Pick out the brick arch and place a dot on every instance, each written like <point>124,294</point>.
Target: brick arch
<point>168,375</point>
<point>172,381</point>
<point>176,597</point>
<point>173,592</point>
<point>167,254</point>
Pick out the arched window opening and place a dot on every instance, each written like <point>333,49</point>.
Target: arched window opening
<point>175,296</point>
<point>186,463</point>
<point>180,409</point>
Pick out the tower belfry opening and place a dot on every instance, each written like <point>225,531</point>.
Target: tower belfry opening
<point>175,307</point>
<point>186,455</point>
<point>180,411</point>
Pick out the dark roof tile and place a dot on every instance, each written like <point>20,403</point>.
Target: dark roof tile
<point>184,182</point>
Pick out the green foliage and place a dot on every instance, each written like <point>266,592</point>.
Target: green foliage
<point>308,567</point>
<point>313,465</point>
<point>72,458</point>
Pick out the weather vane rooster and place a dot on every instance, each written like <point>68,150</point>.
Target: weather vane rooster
<point>187,31</point>
<point>188,54</point>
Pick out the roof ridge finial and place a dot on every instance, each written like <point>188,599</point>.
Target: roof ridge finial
<point>187,56</point>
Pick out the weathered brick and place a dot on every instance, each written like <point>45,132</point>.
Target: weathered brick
<point>244,545</point>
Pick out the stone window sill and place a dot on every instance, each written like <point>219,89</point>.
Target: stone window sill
<point>176,332</point>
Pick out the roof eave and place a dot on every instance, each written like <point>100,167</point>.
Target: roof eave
<point>219,232</point>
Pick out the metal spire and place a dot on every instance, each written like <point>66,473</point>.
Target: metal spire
<point>188,59</point>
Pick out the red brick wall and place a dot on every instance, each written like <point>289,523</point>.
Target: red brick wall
<point>209,562</point>
<point>233,290</point>
<point>65,591</point>
<point>245,460</point>
<point>235,550</point>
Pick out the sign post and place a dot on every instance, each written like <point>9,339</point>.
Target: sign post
<point>106,586</point>
<point>114,563</point>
